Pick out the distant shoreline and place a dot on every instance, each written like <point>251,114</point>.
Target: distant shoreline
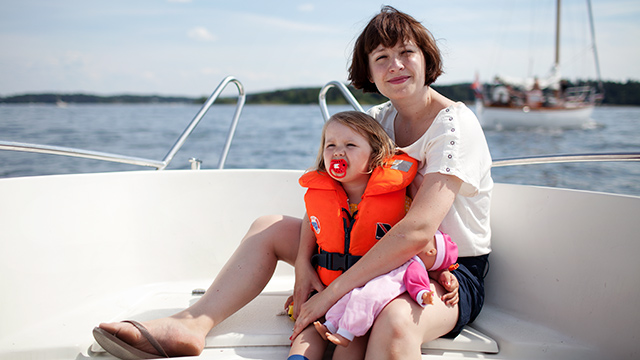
<point>615,94</point>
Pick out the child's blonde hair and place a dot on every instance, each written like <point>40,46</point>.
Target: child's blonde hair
<point>382,147</point>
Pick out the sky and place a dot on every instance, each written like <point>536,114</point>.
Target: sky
<point>186,47</point>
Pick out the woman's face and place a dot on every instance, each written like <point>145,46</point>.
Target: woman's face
<point>398,71</point>
<point>349,151</point>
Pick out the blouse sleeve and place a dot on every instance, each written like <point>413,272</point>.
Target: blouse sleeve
<point>457,146</point>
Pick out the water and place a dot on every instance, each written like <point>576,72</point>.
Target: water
<point>287,137</point>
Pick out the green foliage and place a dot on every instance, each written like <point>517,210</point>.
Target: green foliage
<point>621,94</point>
<point>93,99</point>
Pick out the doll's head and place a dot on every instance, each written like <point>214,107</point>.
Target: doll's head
<point>441,256</point>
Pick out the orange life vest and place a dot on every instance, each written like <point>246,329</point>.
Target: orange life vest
<point>343,237</point>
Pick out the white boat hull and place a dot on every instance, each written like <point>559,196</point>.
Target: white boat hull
<point>77,250</point>
<point>510,118</point>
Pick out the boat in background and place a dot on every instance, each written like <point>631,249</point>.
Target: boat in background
<point>81,249</point>
<point>511,103</point>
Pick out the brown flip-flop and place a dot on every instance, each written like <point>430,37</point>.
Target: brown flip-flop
<point>120,349</point>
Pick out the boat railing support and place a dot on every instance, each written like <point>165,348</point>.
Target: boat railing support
<point>322,98</point>
<point>579,95</point>
<point>159,165</point>
<point>555,159</point>
<point>196,120</point>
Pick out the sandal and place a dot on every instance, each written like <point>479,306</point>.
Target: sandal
<point>120,349</point>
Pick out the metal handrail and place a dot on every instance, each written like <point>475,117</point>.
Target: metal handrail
<point>159,165</point>
<point>555,159</point>
<point>79,153</point>
<point>214,96</point>
<point>322,98</point>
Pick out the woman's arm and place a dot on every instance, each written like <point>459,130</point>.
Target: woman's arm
<point>307,278</point>
<point>408,237</point>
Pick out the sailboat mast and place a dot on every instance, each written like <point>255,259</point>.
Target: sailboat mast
<point>557,60</point>
<point>595,49</point>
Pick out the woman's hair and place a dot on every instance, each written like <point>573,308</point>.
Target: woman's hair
<point>382,147</point>
<point>389,28</point>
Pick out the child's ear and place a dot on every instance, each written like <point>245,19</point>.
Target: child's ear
<point>432,252</point>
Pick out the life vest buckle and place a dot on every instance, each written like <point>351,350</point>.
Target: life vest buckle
<point>334,261</point>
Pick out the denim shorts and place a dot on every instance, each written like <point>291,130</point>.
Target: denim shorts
<point>470,275</point>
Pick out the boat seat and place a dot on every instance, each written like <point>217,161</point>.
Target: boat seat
<point>259,324</point>
<point>268,329</point>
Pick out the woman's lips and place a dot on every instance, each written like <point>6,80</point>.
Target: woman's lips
<point>398,79</point>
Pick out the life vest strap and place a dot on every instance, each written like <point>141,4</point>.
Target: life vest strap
<point>334,261</point>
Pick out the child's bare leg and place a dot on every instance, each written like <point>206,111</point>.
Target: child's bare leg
<point>356,349</point>
<point>338,339</point>
<point>321,329</point>
<point>309,344</point>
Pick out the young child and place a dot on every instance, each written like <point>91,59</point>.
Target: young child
<point>356,193</point>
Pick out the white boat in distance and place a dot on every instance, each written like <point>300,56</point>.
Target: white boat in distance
<point>80,249</point>
<point>512,103</point>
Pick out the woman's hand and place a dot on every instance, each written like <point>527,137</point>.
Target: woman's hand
<point>312,310</point>
<point>307,281</point>
<point>451,285</point>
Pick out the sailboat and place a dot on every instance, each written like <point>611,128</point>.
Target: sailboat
<point>550,102</point>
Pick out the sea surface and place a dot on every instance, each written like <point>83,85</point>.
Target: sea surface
<point>287,137</point>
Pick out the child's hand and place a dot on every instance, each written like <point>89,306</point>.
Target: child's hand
<point>288,308</point>
<point>450,283</point>
<point>288,302</point>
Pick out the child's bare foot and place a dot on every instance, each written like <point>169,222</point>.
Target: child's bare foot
<point>173,335</point>
<point>338,339</point>
<point>427,298</point>
<point>321,329</point>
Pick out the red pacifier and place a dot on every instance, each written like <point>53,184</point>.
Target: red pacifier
<point>338,168</point>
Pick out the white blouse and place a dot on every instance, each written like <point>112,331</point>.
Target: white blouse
<point>455,145</point>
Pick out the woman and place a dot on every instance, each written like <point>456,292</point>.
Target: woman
<point>396,56</point>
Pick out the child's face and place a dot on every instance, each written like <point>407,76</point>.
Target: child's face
<point>345,144</point>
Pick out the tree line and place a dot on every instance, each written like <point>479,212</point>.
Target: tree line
<point>615,93</point>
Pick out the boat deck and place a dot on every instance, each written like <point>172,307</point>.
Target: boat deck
<point>259,326</point>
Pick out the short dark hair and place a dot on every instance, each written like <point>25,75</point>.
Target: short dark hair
<point>388,28</point>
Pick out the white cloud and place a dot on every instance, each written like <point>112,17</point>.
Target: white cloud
<point>201,33</point>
